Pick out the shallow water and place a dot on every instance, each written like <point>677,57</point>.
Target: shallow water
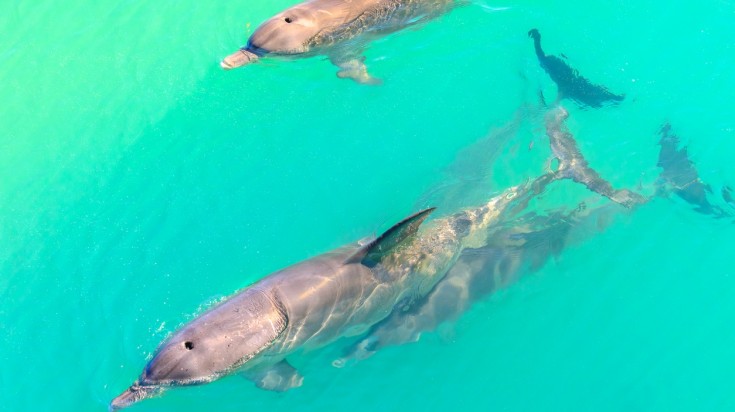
<point>139,183</point>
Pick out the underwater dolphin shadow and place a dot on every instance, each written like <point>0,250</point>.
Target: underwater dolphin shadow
<point>571,84</point>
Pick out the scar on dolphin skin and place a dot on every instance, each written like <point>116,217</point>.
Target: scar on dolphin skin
<point>571,84</point>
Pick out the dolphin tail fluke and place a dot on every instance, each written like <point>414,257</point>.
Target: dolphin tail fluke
<point>573,165</point>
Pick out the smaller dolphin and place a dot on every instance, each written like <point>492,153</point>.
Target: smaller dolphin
<point>339,29</point>
<point>570,83</point>
<point>679,176</point>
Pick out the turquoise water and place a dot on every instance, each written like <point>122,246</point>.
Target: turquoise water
<point>139,183</point>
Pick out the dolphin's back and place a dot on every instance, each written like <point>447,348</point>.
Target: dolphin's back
<point>344,20</point>
<point>325,298</point>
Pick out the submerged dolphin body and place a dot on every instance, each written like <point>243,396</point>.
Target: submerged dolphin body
<point>680,177</point>
<point>515,246</point>
<point>570,83</point>
<point>339,29</point>
<point>519,247</point>
<point>524,244</point>
<point>341,293</point>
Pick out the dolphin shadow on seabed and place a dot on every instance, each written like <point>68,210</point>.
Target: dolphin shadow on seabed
<point>571,84</point>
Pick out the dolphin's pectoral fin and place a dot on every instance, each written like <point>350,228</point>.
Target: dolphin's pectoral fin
<point>352,66</point>
<point>279,377</point>
<point>370,254</point>
<point>356,70</point>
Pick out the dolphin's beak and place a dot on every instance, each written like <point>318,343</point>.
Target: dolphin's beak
<point>238,58</point>
<point>134,394</point>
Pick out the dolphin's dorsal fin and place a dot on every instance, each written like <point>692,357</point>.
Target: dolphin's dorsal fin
<point>370,254</point>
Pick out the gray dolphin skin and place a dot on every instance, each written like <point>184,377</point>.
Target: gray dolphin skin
<point>390,289</point>
<point>524,244</point>
<point>340,293</point>
<point>339,29</point>
<point>515,246</point>
<point>520,246</point>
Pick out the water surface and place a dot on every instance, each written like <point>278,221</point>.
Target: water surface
<point>139,183</point>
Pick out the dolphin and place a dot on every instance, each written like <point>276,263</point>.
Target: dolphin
<point>570,83</point>
<point>310,304</point>
<point>522,245</point>
<point>680,177</point>
<point>573,165</point>
<point>339,29</point>
<point>515,246</point>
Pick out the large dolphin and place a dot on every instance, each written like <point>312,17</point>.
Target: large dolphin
<point>339,29</point>
<point>570,83</point>
<point>340,293</point>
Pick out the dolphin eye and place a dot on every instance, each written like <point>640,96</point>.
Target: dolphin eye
<point>189,345</point>
<point>288,20</point>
